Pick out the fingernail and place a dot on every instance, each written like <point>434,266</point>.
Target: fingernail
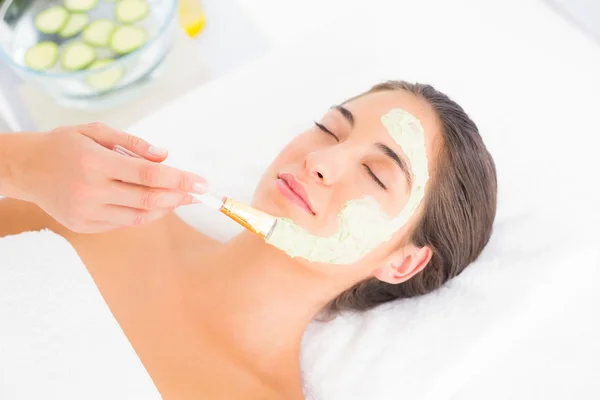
<point>195,200</point>
<point>199,188</point>
<point>157,151</point>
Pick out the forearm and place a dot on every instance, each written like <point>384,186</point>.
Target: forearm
<point>18,216</point>
<point>12,147</point>
<point>6,144</point>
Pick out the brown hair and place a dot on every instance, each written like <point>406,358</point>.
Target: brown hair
<point>459,208</point>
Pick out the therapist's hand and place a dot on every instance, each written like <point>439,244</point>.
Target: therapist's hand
<point>73,174</point>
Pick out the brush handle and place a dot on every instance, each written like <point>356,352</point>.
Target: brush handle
<point>210,200</point>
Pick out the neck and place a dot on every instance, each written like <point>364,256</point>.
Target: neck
<point>260,299</point>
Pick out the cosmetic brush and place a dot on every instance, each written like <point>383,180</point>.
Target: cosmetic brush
<point>256,221</point>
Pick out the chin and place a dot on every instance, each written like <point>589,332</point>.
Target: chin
<point>267,202</point>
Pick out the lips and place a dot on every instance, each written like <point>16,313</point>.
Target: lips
<point>294,191</point>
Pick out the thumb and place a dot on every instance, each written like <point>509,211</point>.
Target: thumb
<point>110,137</point>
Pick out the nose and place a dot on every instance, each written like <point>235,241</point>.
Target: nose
<point>325,166</point>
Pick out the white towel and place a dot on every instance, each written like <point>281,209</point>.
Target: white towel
<point>58,339</point>
<point>430,347</point>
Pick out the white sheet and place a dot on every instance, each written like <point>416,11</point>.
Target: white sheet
<point>58,339</point>
<point>533,93</point>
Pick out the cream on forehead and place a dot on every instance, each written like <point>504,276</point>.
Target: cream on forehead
<point>362,224</point>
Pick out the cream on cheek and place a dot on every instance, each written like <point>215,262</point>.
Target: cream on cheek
<point>362,224</point>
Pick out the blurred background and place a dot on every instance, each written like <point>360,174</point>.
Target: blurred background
<point>187,43</point>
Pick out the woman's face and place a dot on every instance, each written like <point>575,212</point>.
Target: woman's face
<point>346,155</point>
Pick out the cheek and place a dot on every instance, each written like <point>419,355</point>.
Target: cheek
<point>293,154</point>
<point>393,205</point>
<point>299,147</point>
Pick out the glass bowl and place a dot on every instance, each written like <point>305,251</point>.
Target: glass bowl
<point>75,88</point>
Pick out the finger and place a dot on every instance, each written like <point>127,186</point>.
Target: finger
<point>126,216</point>
<point>153,175</point>
<point>110,137</point>
<point>143,198</point>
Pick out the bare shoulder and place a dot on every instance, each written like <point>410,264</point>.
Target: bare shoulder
<point>17,216</point>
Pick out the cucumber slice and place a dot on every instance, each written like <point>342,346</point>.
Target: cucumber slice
<point>130,11</point>
<point>101,63</point>
<point>80,5</point>
<point>51,20</point>
<point>105,80</point>
<point>42,56</point>
<point>74,25</point>
<point>98,33</point>
<point>77,56</point>
<point>127,38</point>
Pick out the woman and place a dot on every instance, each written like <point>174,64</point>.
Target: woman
<point>225,321</point>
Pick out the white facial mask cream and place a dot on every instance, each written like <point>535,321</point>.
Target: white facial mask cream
<point>362,224</point>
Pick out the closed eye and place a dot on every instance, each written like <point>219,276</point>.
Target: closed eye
<point>324,129</point>
<point>374,177</point>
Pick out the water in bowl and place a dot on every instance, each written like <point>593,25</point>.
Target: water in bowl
<point>73,88</point>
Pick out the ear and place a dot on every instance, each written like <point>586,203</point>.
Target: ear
<point>404,264</point>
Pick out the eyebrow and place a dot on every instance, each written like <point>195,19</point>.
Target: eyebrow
<point>392,154</point>
<point>346,114</point>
